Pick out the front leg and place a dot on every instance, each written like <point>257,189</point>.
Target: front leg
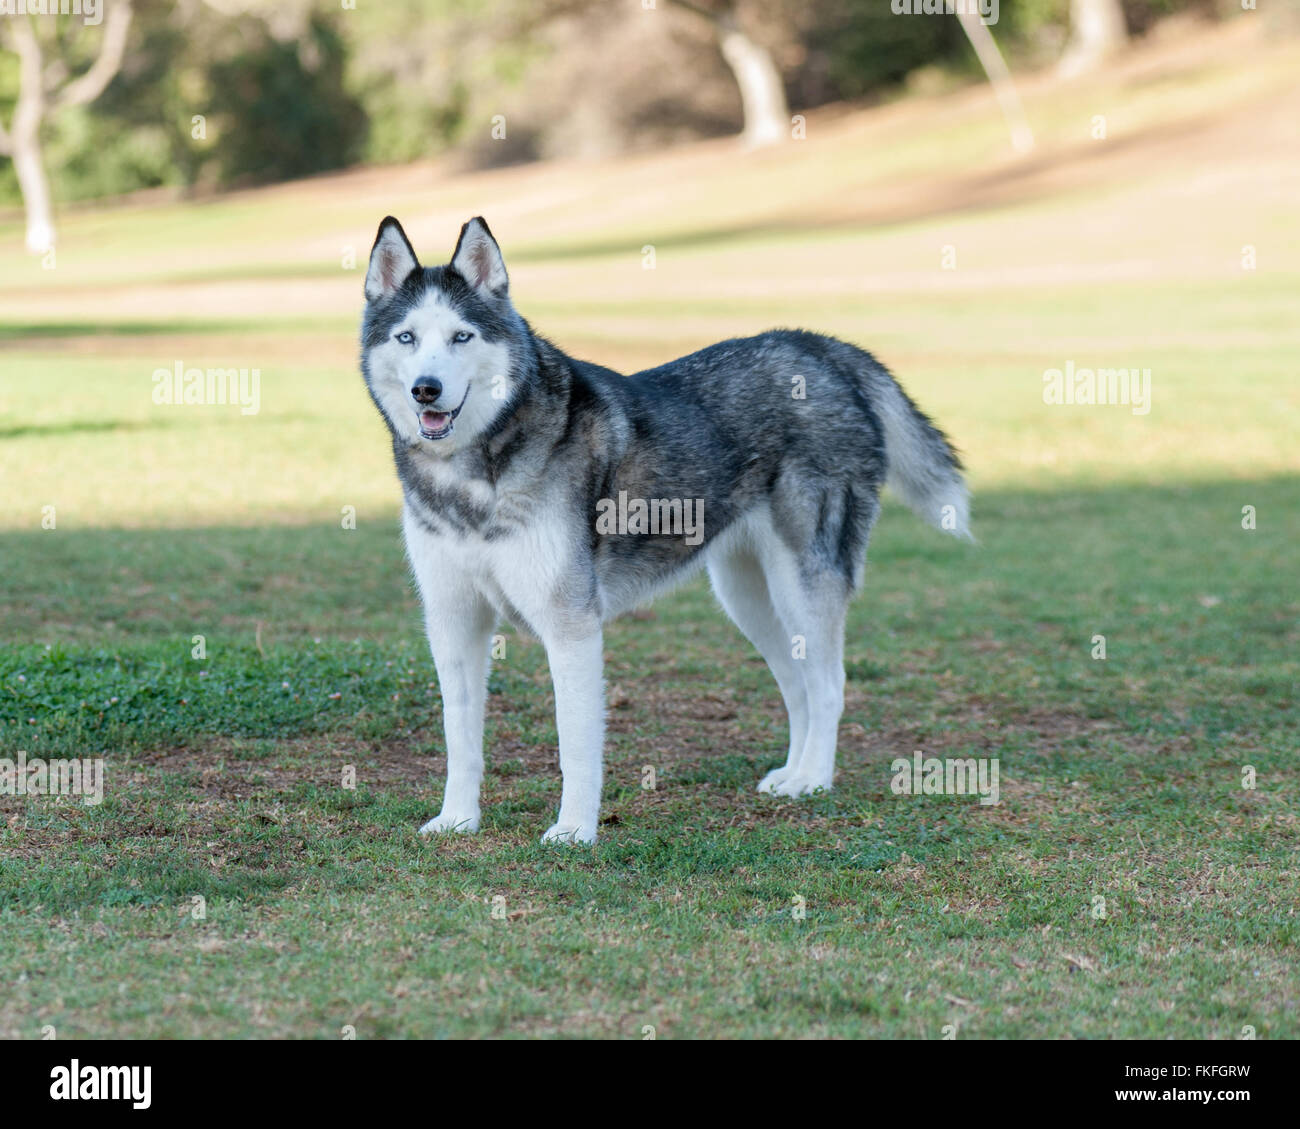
<point>576,670</point>
<point>459,626</point>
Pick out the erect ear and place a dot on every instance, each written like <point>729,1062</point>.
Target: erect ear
<point>391,260</point>
<point>477,259</point>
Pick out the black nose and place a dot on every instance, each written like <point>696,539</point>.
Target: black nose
<point>426,389</point>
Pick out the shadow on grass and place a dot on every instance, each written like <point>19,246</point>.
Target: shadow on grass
<point>89,427</point>
<point>60,330</point>
<point>122,639</point>
<point>155,423</point>
<point>14,336</point>
<point>162,878</point>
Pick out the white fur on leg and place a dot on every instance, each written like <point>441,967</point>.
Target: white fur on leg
<point>450,821</point>
<point>824,679</point>
<point>576,670</point>
<point>815,613</point>
<point>798,784</point>
<point>778,776</point>
<point>461,645</point>
<point>741,588</point>
<point>462,678</point>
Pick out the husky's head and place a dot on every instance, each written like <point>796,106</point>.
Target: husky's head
<point>442,347</point>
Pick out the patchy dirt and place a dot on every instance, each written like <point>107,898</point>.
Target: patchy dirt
<point>680,735</point>
<point>687,731</point>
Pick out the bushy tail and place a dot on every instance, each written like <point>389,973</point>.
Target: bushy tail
<point>924,470</point>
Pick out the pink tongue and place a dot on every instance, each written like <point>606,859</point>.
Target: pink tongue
<point>433,420</point>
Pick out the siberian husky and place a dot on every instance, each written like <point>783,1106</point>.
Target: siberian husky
<point>557,494</point>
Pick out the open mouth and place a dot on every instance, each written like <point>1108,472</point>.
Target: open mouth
<point>438,425</point>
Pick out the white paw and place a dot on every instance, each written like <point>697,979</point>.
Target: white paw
<point>450,821</point>
<point>569,833</point>
<point>797,784</point>
<point>774,778</point>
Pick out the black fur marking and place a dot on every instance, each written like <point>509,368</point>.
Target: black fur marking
<point>454,507</point>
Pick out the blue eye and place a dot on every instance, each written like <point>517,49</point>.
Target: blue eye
<point>406,337</point>
<point>461,337</point>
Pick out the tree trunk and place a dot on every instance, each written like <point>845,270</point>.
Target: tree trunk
<point>35,189</point>
<point>24,141</point>
<point>762,95</point>
<point>1096,31</point>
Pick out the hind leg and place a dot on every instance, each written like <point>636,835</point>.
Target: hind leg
<point>811,604</point>
<point>740,586</point>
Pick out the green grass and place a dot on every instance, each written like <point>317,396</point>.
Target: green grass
<point>1121,779</point>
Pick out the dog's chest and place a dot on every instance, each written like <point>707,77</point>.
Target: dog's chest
<point>515,574</point>
<point>503,543</point>
<point>447,502</point>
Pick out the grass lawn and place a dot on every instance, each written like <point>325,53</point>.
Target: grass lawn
<point>1127,885</point>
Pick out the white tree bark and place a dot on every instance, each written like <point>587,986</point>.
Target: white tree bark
<point>763,105</point>
<point>23,143</point>
<point>762,94</point>
<point>39,92</point>
<point>35,189</point>
<point>1096,31</point>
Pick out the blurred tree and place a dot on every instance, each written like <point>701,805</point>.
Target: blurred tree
<point>282,107</point>
<point>213,92</point>
<point>421,68</point>
<point>762,92</point>
<point>47,51</point>
<point>149,126</point>
<point>854,50</point>
<point>1096,31</point>
<point>743,30</point>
